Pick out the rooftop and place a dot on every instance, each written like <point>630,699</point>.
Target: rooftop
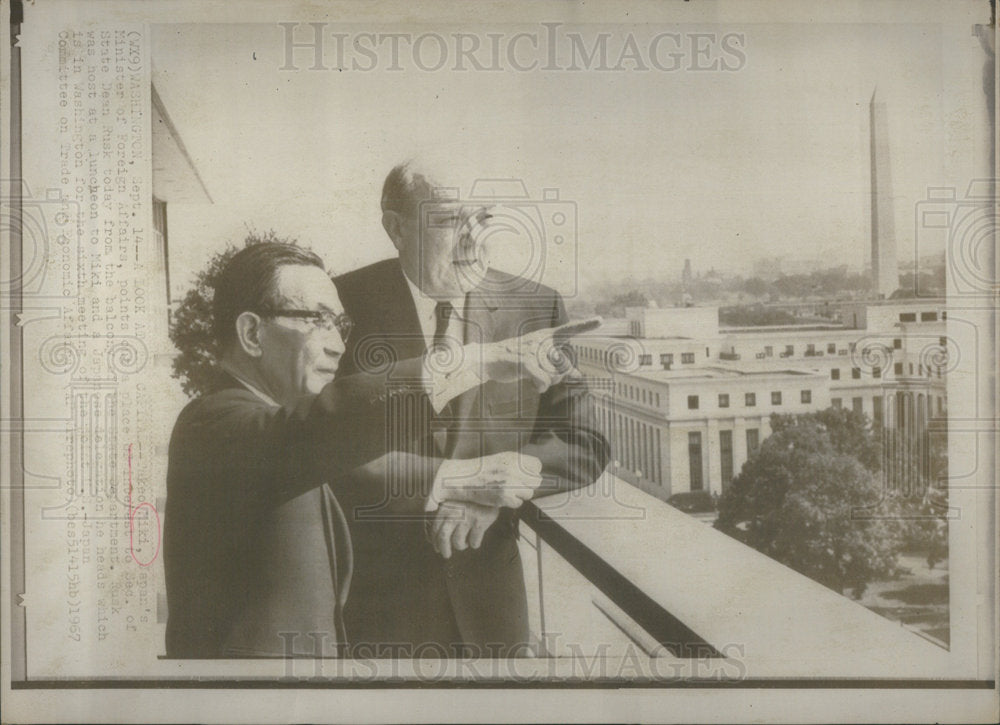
<point>714,372</point>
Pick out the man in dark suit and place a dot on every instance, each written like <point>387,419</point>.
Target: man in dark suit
<point>256,548</point>
<point>434,591</point>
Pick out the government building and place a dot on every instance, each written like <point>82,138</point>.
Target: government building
<point>685,402</point>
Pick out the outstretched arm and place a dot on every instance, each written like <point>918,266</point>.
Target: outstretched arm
<point>566,438</point>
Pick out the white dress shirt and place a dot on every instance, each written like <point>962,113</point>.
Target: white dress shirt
<point>426,307</point>
<point>443,385</point>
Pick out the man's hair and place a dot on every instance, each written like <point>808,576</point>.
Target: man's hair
<point>397,191</point>
<point>248,284</point>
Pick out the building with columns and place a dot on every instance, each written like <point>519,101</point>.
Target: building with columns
<point>684,411</point>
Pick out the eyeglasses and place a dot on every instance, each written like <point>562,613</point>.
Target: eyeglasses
<point>323,319</point>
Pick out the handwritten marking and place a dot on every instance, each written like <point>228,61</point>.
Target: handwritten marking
<point>131,518</point>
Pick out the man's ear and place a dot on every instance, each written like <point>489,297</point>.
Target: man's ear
<point>392,223</point>
<point>248,333</point>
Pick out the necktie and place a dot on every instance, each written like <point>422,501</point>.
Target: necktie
<point>442,314</point>
<point>441,440</point>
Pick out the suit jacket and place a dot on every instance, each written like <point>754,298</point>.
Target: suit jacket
<point>403,593</point>
<point>256,548</point>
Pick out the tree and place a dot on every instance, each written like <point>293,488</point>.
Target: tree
<point>756,286</point>
<point>807,502</point>
<point>196,363</point>
<point>850,433</point>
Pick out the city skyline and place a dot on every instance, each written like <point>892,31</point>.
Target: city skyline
<point>771,159</point>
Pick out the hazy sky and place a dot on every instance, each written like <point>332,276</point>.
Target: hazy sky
<point>718,166</point>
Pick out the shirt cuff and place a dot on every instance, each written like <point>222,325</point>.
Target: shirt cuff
<point>450,469</point>
<point>445,379</point>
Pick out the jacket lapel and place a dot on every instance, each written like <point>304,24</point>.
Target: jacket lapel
<point>399,315</point>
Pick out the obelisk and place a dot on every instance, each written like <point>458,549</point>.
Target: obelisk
<point>885,272</point>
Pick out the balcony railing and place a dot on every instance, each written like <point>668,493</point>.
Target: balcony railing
<point>616,568</point>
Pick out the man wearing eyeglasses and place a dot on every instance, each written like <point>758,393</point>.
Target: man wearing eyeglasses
<point>256,548</point>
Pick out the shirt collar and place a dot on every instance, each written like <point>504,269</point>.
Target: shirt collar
<point>425,308</point>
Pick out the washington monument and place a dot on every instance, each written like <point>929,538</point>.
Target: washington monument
<point>885,273</point>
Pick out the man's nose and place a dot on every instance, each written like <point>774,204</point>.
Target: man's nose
<point>334,345</point>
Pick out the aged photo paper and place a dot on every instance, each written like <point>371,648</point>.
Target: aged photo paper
<point>656,379</point>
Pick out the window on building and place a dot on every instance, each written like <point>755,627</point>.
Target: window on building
<point>940,406</point>
<point>897,343</point>
<point>667,359</point>
<point>836,403</point>
<point>877,410</point>
<point>907,316</point>
<point>633,441</point>
<point>768,351</point>
<point>834,373</point>
<point>876,372</point>
<point>810,349</point>
<point>645,359</point>
<point>726,456</point>
<point>897,368</point>
<point>928,316</point>
<point>856,373</point>
<point>707,353</point>
<point>723,400</point>
<point>687,358</point>
<point>750,400</point>
<point>776,397</point>
<point>692,402</point>
<point>658,460</point>
<point>944,314</point>
<point>909,366</point>
<point>789,350</point>
<point>753,441</point>
<point>857,405</point>
<point>694,457</point>
<point>831,348</point>
<point>806,396</point>
<point>657,400</point>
